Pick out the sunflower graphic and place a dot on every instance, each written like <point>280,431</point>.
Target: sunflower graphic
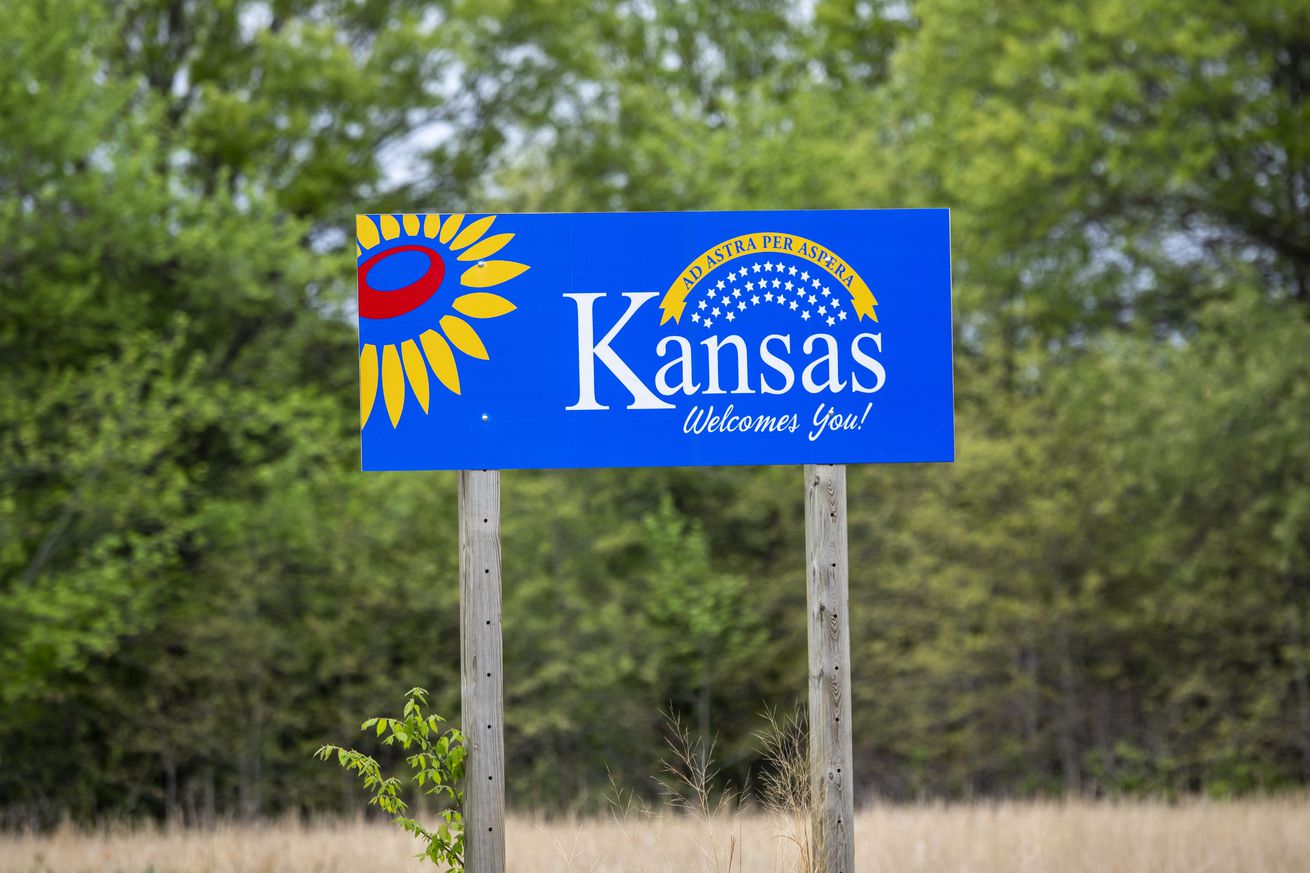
<point>407,328</point>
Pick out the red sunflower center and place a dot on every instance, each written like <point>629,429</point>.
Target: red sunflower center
<point>398,281</point>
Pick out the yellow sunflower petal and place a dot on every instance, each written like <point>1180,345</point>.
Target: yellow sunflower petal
<point>452,224</point>
<point>441,358</point>
<point>393,383</point>
<point>489,273</point>
<point>463,337</point>
<point>416,370</point>
<point>390,227</point>
<point>411,224</point>
<point>368,381</point>
<point>487,247</point>
<point>431,224</point>
<point>482,304</point>
<point>366,231</point>
<point>472,233</point>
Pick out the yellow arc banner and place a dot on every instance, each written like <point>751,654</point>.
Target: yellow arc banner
<point>757,243</point>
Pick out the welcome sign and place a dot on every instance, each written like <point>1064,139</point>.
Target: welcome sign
<point>654,339</point>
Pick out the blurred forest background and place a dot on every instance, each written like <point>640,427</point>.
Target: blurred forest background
<point>1109,592</point>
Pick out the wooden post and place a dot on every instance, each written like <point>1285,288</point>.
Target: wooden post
<point>481,686</point>
<point>832,828</point>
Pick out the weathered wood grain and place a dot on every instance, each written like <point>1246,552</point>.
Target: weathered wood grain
<point>830,668</point>
<point>481,686</point>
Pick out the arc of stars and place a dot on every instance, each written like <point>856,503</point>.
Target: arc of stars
<point>731,301</point>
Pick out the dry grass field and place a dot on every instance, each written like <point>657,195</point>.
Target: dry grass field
<point>1261,836</point>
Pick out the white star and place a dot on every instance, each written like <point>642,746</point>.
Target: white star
<point>793,306</point>
<point>805,316</point>
<point>755,300</point>
<point>695,316</point>
<point>768,266</point>
<point>842,315</point>
<point>750,286</point>
<point>779,266</point>
<point>768,295</point>
<point>812,298</point>
<point>805,277</point>
<point>823,310</point>
<point>742,306</point>
<point>776,283</point>
<point>831,321</point>
<point>755,268</point>
<point>703,304</point>
<point>711,293</point>
<point>791,271</point>
<point>835,304</point>
<point>814,282</point>
<point>789,285</point>
<point>781,300</point>
<point>715,312</point>
<point>826,291</point>
<point>720,285</point>
<point>736,292</point>
<point>732,316</point>
<point>708,322</point>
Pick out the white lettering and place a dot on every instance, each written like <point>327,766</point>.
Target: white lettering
<point>834,382</point>
<point>589,352</point>
<point>868,363</point>
<point>682,361</point>
<point>714,344</point>
<point>777,364</point>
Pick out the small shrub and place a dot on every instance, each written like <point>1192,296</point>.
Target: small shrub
<point>436,769</point>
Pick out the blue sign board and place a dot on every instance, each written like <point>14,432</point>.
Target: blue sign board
<point>654,339</point>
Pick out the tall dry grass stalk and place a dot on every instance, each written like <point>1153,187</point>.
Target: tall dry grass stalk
<point>1253,836</point>
<point>785,784</point>
<point>686,783</point>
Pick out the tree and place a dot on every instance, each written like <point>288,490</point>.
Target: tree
<point>1108,591</point>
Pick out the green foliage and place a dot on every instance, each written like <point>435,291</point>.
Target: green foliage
<point>699,632</point>
<point>1108,592</point>
<point>437,770</point>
